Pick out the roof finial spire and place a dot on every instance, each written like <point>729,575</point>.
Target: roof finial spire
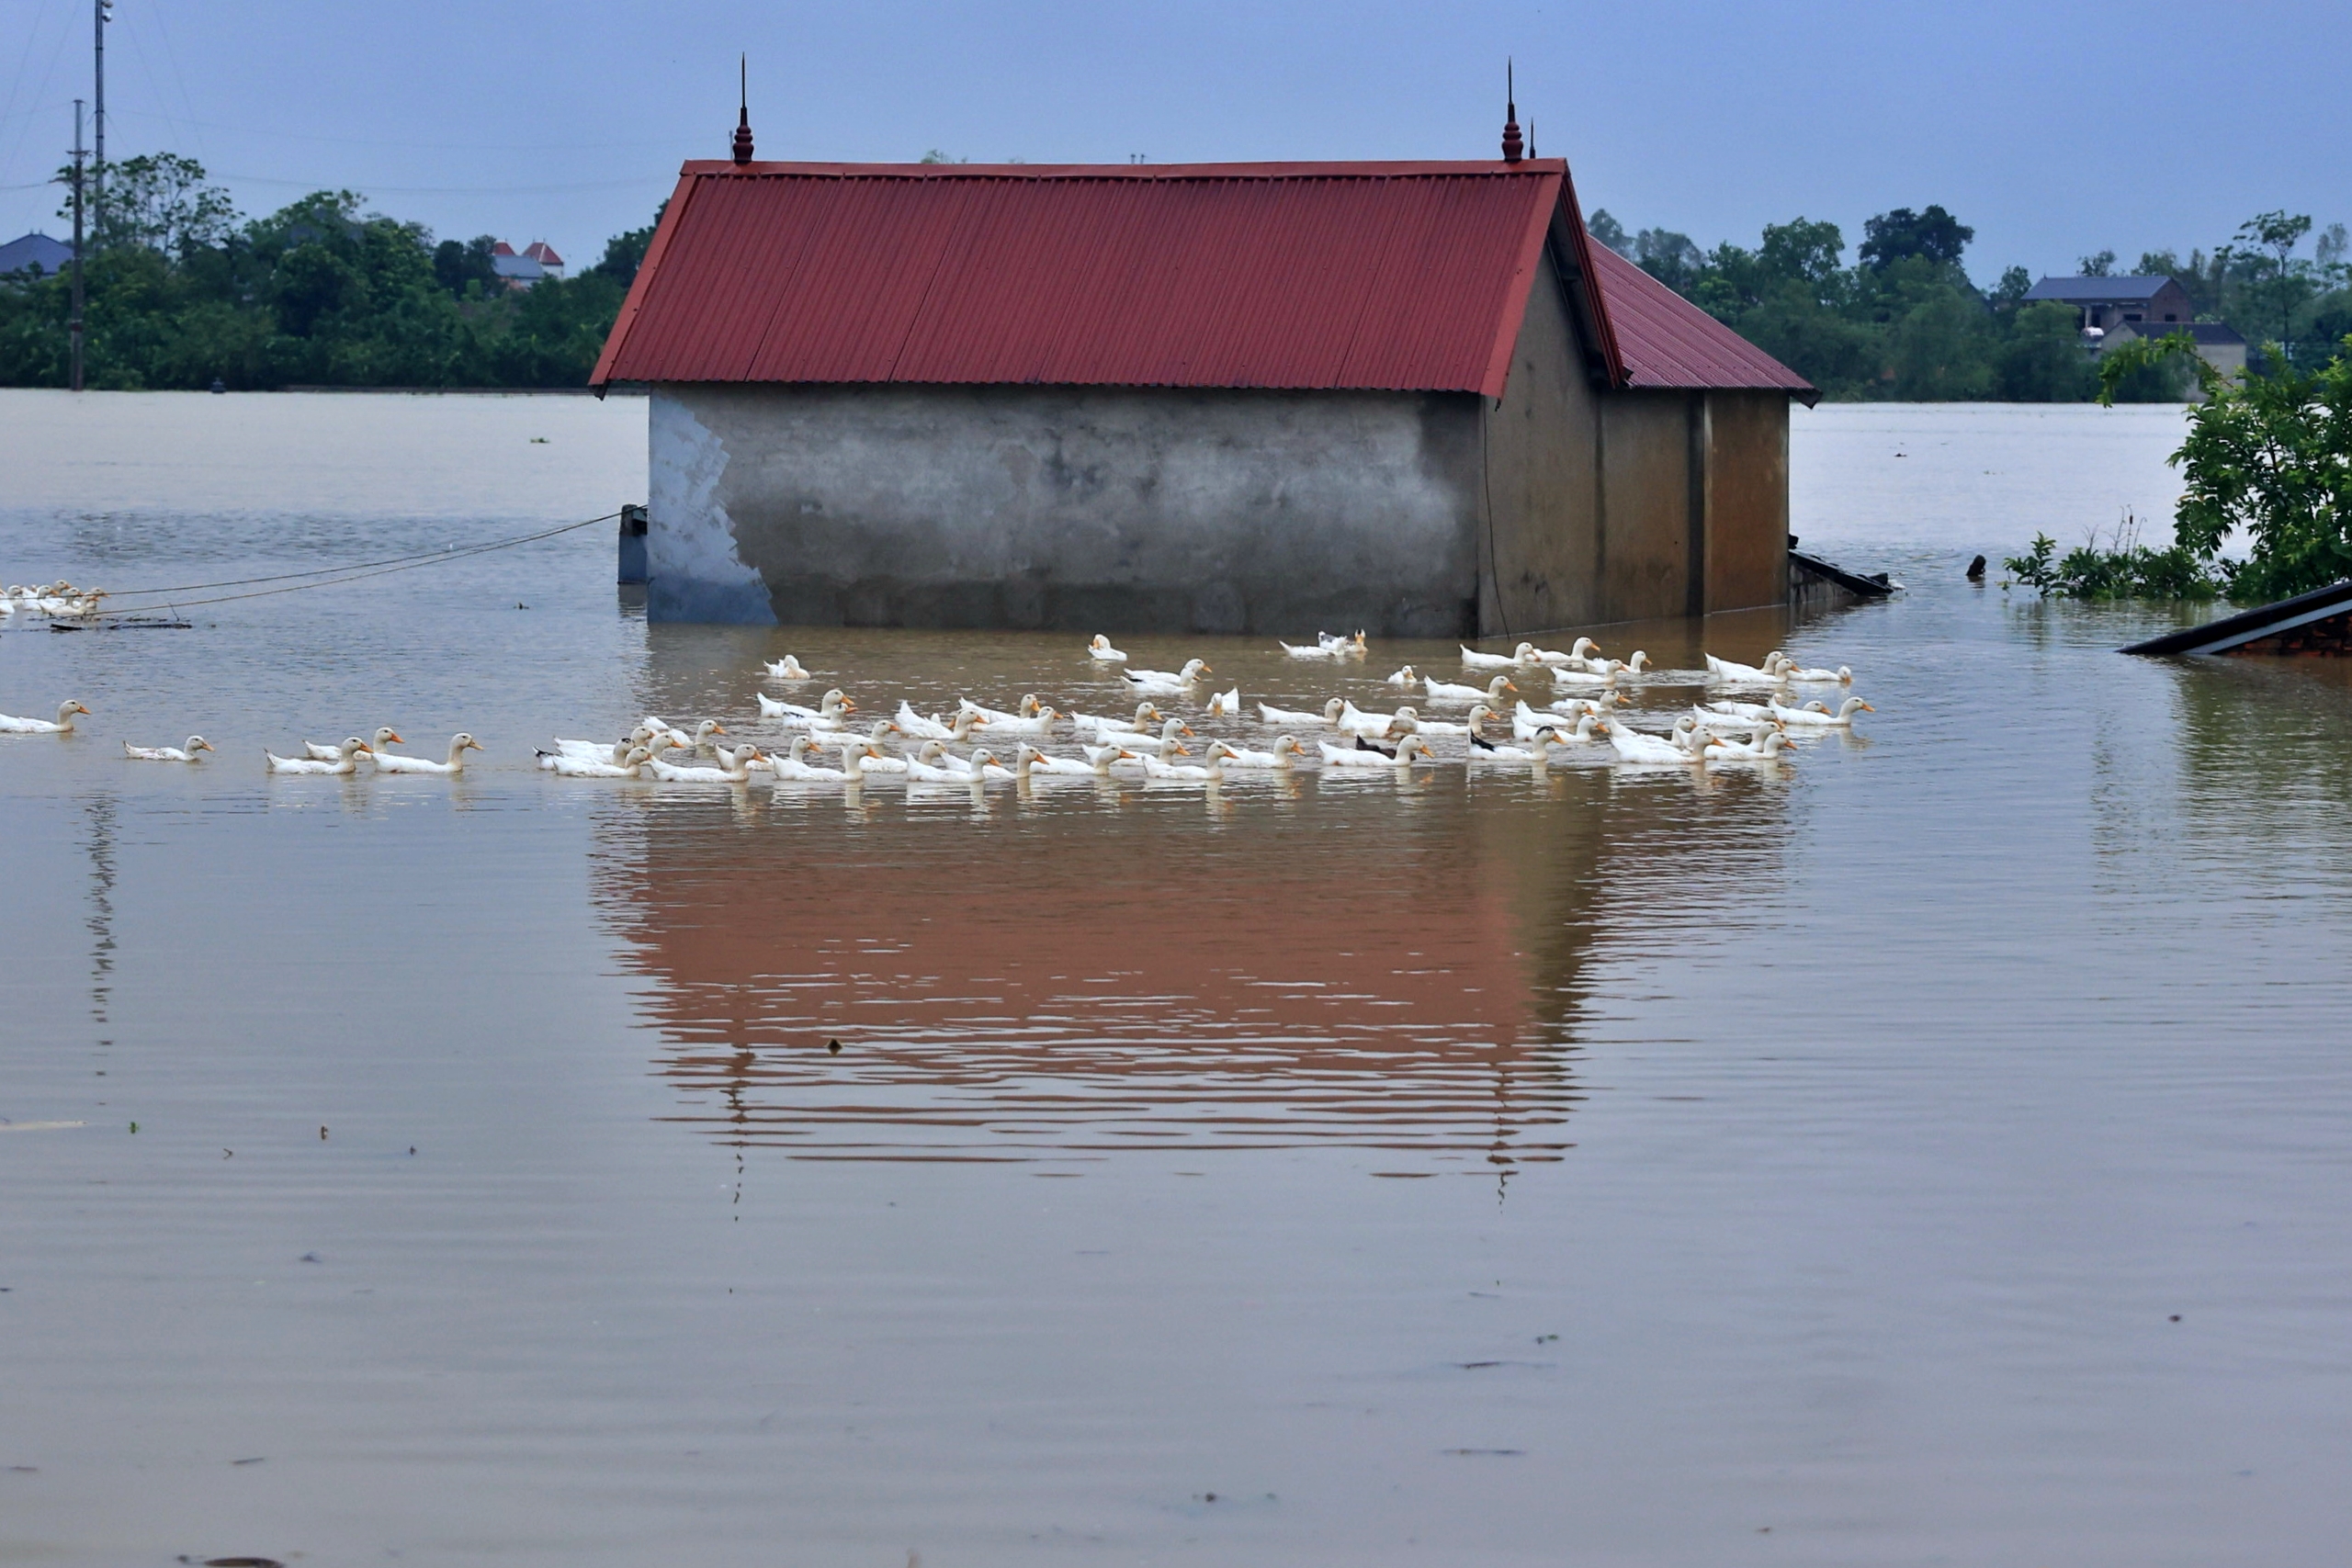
<point>744,110</point>
<point>1511,144</point>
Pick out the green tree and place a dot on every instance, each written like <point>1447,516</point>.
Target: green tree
<point>1609,232</point>
<point>1941,350</point>
<point>1934,236</point>
<point>2041,361</point>
<point>162,201</point>
<point>2276,282</point>
<point>2268,460</point>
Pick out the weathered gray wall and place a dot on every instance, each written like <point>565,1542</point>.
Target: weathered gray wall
<point>1076,508</point>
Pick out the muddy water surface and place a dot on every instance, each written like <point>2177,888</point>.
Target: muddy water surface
<point>1933,1149</point>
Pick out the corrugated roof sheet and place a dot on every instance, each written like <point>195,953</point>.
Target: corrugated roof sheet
<point>1395,277</point>
<point>1669,342</point>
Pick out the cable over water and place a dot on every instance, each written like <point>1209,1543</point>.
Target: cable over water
<point>328,576</point>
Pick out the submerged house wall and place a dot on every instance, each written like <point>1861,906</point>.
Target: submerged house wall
<point>1071,508</point>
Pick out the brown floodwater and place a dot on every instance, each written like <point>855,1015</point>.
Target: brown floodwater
<point>1934,1149</point>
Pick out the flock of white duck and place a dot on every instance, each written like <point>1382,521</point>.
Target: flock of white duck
<point>976,745</point>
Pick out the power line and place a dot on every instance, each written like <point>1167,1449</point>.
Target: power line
<point>342,574</point>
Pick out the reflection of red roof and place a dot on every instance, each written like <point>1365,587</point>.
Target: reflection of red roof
<point>1395,277</point>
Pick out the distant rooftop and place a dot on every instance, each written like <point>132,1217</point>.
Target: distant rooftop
<point>35,250</point>
<point>2204,333</point>
<point>2095,291</point>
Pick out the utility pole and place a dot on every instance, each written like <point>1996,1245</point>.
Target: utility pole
<point>75,326</point>
<point>104,10</point>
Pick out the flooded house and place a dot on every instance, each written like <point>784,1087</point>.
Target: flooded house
<point>1413,397</point>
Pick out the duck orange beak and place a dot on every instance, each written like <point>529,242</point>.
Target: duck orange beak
<point>397,737</point>
<point>1867,708</point>
<point>718,729</point>
<point>473,746</point>
<point>79,708</point>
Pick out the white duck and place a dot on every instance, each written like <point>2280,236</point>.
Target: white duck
<point>1526,724</point>
<point>832,710</point>
<point>385,736</point>
<point>739,772</point>
<point>1029,760</point>
<point>11,724</point>
<point>1033,717</point>
<point>1354,720</point>
<point>1160,763</point>
<point>846,739</point>
<point>980,767</point>
<point>1181,773</point>
<point>1576,708</point>
<point>167,753</point>
<point>933,764</point>
<point>957,729</point>
<point>1454,691</point>
<point>459,744</point>
<point>1538,750</point>
<point>1269,714</point>
<point>632,763</point>
<point>1408,751</point>
<point>701,742</point>
<point>1577,654</point>
<point>596,751</point>
<point>1353,646</point>
<point>1603,675</point>
<point>1286,751</point>
<point>855,761</point>
<point>795,765</point>
<point>346,760</point>
<point>1841,676</point>
<point>1335,648</point>
<point>1165,682</point>
<point>784,669</point>
<point>1100,650</point>
<point>1765,749</point>
<point>1086,724</point>
<point>1408,677</point>
<point>1767,675</point>
<point>1225,704</point>
<point>1633,746</point>
<point>1520,658</point>
<point>1818,715</point>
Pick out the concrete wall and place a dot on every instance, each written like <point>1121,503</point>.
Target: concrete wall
<point>1094,509</point>
<point>1541,552</point>
<point>1624,506</point>
<point>1072,508</point>
<point>1747,483</point>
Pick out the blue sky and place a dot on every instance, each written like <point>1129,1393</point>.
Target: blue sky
<point>2053,127</point>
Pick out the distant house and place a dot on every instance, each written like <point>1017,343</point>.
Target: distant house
<point>2109,302</point>
<point>543,253</point>
<point>2117,309</point>
<point>35,254</point>
<point>2218,344</point>
<point>516,271</point>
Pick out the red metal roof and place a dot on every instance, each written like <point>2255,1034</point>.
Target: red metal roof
<point>1395,277</point>
<point>1669,342</point>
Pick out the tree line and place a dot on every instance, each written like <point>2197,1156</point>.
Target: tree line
<point>181,291</point>
<point>1905,321</point>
